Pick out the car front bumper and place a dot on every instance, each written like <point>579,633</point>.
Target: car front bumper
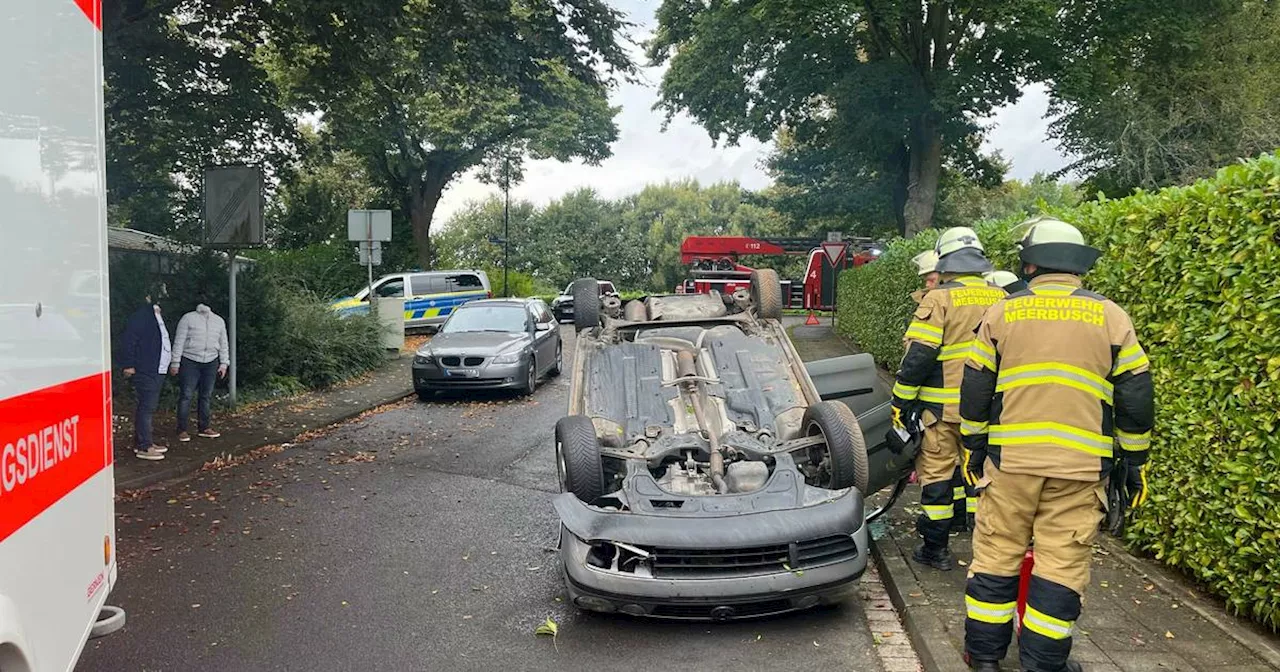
<point>723,597</point>
<point>489,377</point>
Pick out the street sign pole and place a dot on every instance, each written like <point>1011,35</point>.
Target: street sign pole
<point>506,226</point>
<point>835,249</point>
<point>231,314</point>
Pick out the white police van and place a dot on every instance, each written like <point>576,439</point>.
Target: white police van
<point>429,296</point>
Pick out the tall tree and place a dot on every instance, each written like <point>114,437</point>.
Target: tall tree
<point>886,91</point>
<point>315,193</point>
<point>183,90</point>
<point>426,89</point>
<point>1158,92</point>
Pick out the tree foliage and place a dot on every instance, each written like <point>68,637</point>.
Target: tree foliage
<point>183,90</point>
<point>633,241</point>
<point>1154,93</point>
<point>875,96</point>
<point>426,90</point>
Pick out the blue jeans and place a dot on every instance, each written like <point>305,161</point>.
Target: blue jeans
<point>146,387</point>
<point>193,375</point>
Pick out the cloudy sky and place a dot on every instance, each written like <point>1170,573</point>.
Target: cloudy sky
<point>646,154</point>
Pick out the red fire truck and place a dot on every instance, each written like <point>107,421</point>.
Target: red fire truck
<point>714,265</point>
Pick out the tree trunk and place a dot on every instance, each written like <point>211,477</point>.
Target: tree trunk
<point>422,208</point>
<point>923,174</point>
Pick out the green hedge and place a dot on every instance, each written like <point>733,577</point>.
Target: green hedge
<point>1198,269</point>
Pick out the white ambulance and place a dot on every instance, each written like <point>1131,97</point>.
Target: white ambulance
<point>57,537</point>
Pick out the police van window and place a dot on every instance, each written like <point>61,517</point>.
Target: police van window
<point>465,282</point>
<point>391,288</point>
<point>420,285</point>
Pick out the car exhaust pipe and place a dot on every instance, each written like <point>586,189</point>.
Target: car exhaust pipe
<point>687,367</point>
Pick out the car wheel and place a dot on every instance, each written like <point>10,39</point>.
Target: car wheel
<point>531,377</point>
<point>766,293</point>
<point>842,461</point>
<point>578,462</point>
<point>559,365</point>
<point>586,303</point>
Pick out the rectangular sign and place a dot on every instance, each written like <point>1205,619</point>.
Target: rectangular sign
<point>368,248</point>
<point>369,225</point>
<point>233,203</point>
<point>51,441</point>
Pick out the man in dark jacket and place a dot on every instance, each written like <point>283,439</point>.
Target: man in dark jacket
<point>144,360</point>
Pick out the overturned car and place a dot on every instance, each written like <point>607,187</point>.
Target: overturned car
<point>704,474</point>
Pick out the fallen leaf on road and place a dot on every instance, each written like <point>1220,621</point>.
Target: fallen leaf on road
<point>915,594</point>
<point>815,643</point>
<point>1168,634</point>
<point>467,617</point>
<point>757,638</point>
<point>876,639</point>
<point>962,563</point>
<point>196,605</point>
<point>1104,584</point>
<point>549,627</point>
<point>172,501</point>
<point>344,603</point>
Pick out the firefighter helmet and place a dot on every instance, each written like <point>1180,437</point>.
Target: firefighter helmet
<point>926,262</point>
<point>1055,245</point>
<point>1001,279</point>
<point>960,251</point>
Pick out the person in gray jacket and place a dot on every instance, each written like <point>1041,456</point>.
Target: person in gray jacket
<point>199,354</point>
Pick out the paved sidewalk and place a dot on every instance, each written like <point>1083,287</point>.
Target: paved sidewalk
<point>1130,623</point>
<point>257,425</point>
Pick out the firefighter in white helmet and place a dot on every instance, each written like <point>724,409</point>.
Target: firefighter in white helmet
<point>927,268</point>
<point>927,390</point>
<point>1056,389</point>
<point>1006,281</point>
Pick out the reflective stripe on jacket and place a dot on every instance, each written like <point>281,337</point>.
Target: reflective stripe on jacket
<point>1056,382</point>
<point>937,343</point>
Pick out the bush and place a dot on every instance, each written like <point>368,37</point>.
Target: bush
<point>284,331</point>
<point>1198,269</point>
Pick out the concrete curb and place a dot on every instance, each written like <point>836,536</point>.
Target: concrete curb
<point>177,471</point>
<point>1262,646</point>
<point>924,629</point>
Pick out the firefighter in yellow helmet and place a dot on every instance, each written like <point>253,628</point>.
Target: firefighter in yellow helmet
<point>1056,389</point>
<point>927,390</point>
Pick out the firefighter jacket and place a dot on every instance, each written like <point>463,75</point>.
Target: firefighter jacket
<point>937,344</point>
<point>1055,379</point>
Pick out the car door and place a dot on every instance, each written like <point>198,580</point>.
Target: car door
<point>545,334</point>
<point>854,380</point>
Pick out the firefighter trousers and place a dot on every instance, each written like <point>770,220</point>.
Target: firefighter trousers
<point>1063,516</point>
<point>943,494</point>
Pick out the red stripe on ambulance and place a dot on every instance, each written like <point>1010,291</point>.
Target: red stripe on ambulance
<point>51,442</point>
<point>93,10</point>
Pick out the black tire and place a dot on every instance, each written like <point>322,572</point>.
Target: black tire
<point>766,293</point>
<point>845,451</point>
<point>426,395</point>
<point>578,462</point>
<point>586,303</point>
<point>558,367</point>
<point>531,377</point>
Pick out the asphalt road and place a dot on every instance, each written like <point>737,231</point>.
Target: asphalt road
<point>416,538</point>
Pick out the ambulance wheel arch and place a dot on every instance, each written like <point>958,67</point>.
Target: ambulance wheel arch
<point>12,643</point>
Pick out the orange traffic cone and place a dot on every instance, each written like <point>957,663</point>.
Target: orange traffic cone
<point>812,320</point>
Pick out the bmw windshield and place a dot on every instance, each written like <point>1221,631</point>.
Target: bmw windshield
<point>503,318</point>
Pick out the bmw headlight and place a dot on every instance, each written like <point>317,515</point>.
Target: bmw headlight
<point>509,358</point>
<point>424,356</point>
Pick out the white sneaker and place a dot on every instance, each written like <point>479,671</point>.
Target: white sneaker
<point>149,454</point>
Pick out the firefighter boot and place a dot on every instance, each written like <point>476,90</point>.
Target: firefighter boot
<point>984,665</point>
<point>937,558</point>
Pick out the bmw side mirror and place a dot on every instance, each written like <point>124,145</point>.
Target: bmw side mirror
<point>543,326</point>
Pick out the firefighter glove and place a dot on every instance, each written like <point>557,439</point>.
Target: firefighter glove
<point>973,464</point>
<point>1136,484</point>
